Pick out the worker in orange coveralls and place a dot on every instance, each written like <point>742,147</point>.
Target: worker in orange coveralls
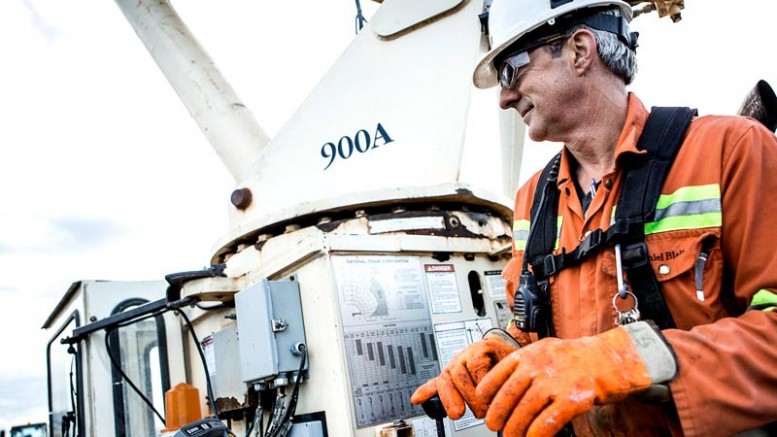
<point>587,358</point>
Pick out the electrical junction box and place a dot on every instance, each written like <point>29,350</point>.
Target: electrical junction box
<point>220,350</point>
<point>270,330</point>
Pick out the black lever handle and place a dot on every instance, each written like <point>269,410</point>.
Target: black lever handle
<point>434,409</point>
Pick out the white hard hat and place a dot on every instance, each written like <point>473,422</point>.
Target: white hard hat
<point>509,20</point>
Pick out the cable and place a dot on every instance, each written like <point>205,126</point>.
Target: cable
<point>359,20</point>
<point>286,421</point>
<point>67,419</point>
<point>257,422</point>
<point>70,415</point>
<point>250,427</point>
<point>276,414</point>
<point>215,307</point>
<point>260,424</point>
<point>204,362</point>
<point>73,392</point>
<point>133,321</point>
<point>118,368</point>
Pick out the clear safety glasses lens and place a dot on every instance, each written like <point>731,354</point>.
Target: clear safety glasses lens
<point>509,71</point>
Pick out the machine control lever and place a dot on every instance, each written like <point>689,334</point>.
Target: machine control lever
<point>434,409</point>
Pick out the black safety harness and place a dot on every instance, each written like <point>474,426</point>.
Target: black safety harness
<point>644,176</point>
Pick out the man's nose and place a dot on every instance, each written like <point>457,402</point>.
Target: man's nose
<point>508,97</point>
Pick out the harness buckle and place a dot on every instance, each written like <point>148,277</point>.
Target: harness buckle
<point>591,242</point>
<point>549,266</point>
<point>635,255</point>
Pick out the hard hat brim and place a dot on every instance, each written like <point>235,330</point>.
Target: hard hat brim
<point>485,73</point>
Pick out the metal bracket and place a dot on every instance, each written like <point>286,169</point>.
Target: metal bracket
<point>279,325</point>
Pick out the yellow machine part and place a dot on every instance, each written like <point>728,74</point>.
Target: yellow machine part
<point>670,8</point>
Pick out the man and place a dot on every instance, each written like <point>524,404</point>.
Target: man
<point>564,66</point>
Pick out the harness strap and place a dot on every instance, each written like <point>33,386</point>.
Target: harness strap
<point>542,232</point>
<point>643,179</point>
<point>661,138</point>
<point>644,174</point>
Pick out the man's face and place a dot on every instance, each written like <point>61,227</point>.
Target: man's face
<point>543,94</point>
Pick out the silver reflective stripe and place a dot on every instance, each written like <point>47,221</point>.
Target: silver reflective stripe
<point>689,208</point>
<point>692,207</point>
<point>520,233</point>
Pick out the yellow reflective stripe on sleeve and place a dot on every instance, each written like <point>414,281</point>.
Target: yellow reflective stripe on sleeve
<point>520,233</point>
<point>697,221</point>
<point>764,299</point>
<point>693,207</point>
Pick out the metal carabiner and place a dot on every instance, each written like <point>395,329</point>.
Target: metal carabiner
<point>622,290</point>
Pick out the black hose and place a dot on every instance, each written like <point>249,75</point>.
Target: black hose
<point>117,366</point>
<point>204,363</point>
<point>294,396</point>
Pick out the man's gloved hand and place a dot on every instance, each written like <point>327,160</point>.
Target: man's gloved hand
<point>536,390</point>
<point>456,383</point>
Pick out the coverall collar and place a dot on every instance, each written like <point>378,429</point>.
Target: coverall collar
<point>636,116</point>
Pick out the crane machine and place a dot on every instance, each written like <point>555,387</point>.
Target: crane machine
<point>365,246</point>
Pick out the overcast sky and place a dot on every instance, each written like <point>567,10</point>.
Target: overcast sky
<point>105,176</point>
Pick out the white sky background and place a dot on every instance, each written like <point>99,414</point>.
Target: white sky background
<point>104,175</point>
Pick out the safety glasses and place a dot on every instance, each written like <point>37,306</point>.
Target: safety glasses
<point>511,66</point>
<point>509,71</point>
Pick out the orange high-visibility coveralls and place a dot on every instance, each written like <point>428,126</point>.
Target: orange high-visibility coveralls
<point>719,197</point>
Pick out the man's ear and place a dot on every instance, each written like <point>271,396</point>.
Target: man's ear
<point>583,49</point>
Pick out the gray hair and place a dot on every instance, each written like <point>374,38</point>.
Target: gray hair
<point>616,56</point>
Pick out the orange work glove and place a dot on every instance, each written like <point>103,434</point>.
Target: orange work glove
<point>456,383</point>
<point>536,390</point>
